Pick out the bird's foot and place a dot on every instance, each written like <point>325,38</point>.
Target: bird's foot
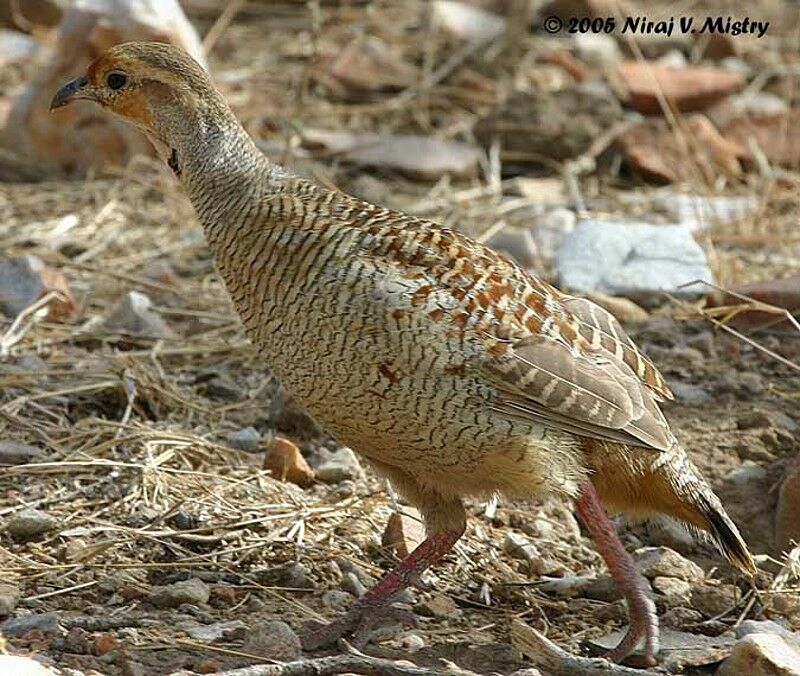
<point>642,610</point>
<point>643,626</point>
<point>358,624</point>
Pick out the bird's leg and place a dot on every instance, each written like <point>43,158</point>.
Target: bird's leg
<point>641,609</point>
<point>374,604</point>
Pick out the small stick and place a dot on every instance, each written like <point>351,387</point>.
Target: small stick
<point>340,664</point>
<point>556,661</point>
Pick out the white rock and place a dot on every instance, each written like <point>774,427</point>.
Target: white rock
<point>597,50</point>
<point>520,547</point>
<point>134,315</point>
<point>340,465</point>
<point>636,260</point>
<point>550,229</point>
<point>761,655</point>
<point>24,666</point>
<point>466,21</point>
<point>673,58</point>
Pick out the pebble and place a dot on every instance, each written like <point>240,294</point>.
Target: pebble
<point>640,261</point>
<point>25,280</point>
<point>713,600</point>
<point>597,50</point>
<point>193,591</point>
<point>18,453</point>
<point>246,439</point>
<point>337,600</point>
<point>404,532</point>
<point>680,617</point>
<point>439,606</point>
<point>47,623</point>
<point>9,598</point>
<point>352,585</point>
<point>223,387</point>
<point>286,463</point>
<point>764,654</point>
<point>665,562</point>
<point>687,393</point>
<point>340,465</point>
<point>134,315</point>
<point>30,523</point>
<point>520,547</point>
<point>748,420</point>
<point>676,591</point>
<point>747,474</point>
<point>208,633</point>
<point>274,640</point>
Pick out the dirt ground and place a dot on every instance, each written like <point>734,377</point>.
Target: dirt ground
<point>137,466</point>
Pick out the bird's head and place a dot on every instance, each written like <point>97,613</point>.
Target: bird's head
<point>155,86</point>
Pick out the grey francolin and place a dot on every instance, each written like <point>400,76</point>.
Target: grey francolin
<point>452,370</point>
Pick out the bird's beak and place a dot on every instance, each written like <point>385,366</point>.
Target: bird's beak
<point>72,91</point>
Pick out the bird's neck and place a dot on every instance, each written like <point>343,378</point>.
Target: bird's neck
<point>223,171</point>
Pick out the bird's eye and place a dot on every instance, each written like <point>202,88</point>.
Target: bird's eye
<point>116,80</point>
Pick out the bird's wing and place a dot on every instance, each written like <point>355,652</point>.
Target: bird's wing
<point>600,328</point>
<point>577,370</point>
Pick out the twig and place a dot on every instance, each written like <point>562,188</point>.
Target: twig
<point>556,661</point>
<point>221,24</point>
<point>339,664</point>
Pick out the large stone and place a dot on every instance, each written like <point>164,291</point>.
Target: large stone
<point>274,640</point>
<point>665,562</point>
<point>79,137</point>
<point>340,465</point>
<point>688,88</point>
<point>18,453</point>
<point>636,260</point>
<point>25,280</point>
<point>657,152</point>
<point>762,655</point>
<point>193,591</point>
<point>17,665</point>
<point>425,157</point>
<point>133,315</point>
<point>30,523</point>
<point>368,65</point>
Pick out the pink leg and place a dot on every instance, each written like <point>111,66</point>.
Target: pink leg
<point>359,619</point>
<point>643,618</point>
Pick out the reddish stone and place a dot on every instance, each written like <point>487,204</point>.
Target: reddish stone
<point>660,155</point>
<point>774,135</point>
<point>287,463</point>
<point>691,88</point>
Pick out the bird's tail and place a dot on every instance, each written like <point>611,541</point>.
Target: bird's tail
<point>642,482</point>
